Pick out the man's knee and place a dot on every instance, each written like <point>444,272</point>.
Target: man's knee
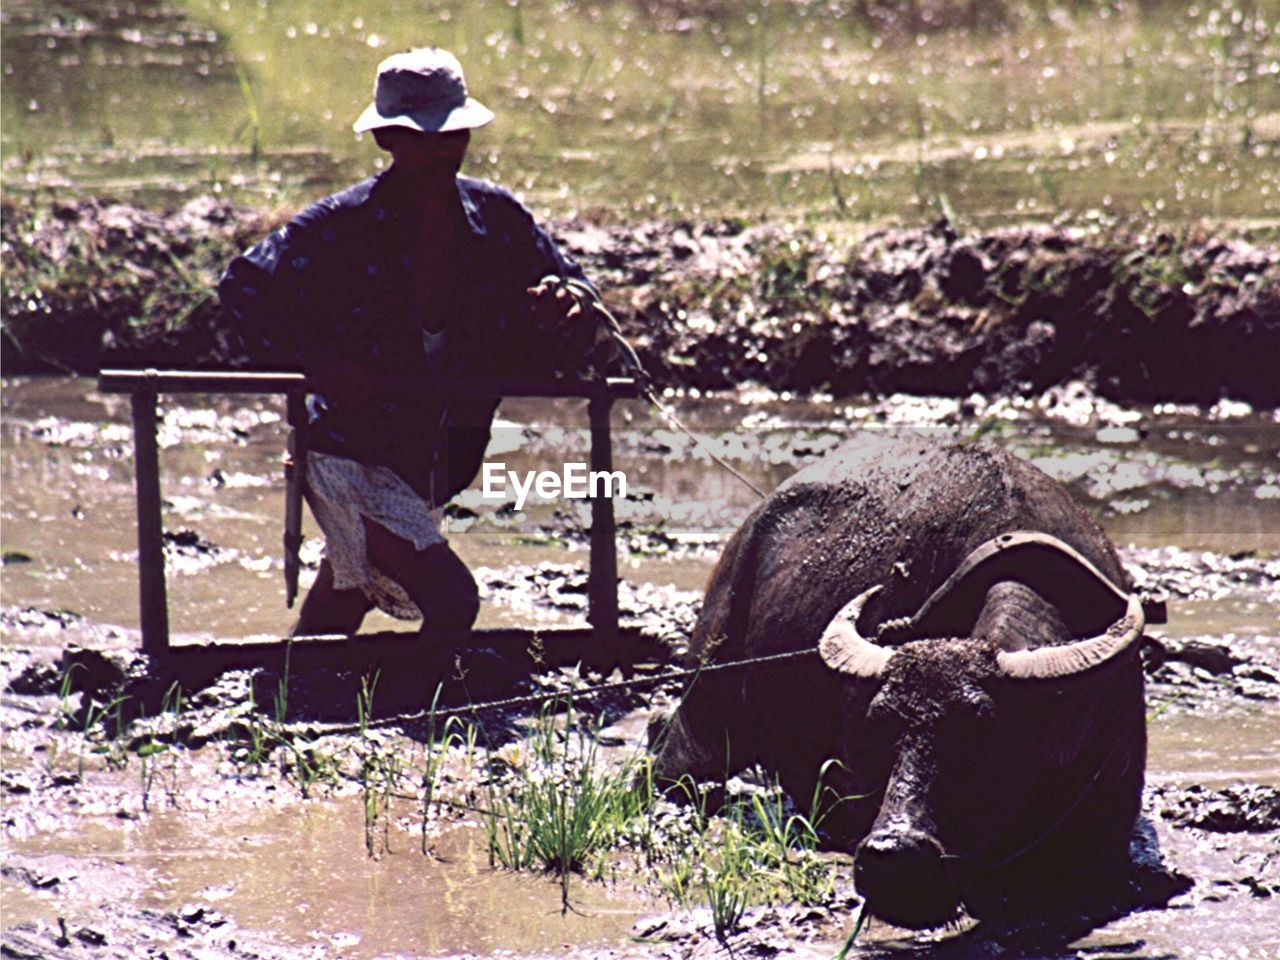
<point>329,610</point>
<point>454,585</point>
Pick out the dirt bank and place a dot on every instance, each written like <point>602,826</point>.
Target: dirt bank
<point>935,311</point>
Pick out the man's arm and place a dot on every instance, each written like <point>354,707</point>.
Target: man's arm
<point>275,296</point>
<point>563,307</point>
<point>265,292</point>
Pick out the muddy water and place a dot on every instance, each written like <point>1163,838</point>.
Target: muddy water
<point>304,874</point>
<point>69,507</point>
<point>1156,111</point>
<point>1173,486</point>
<point>1189,747</point>
<point>1196,485</point>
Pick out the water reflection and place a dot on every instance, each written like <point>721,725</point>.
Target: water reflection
<point>1194,484</point>
<point>302,874</point>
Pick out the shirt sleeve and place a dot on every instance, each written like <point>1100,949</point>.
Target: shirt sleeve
<point>590,346</point>
<point>554,260</point>
<point>542,255</point>
<point>268,292</point>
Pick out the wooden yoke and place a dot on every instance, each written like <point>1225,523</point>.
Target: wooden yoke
<point>144,386</point>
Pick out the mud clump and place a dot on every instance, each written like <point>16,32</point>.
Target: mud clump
<point>1187,318</point>
<point>1013,311</point>
<point>1239,808</point>
<point>551,589</point>
<point>88,280</point>
<point>194,931</point>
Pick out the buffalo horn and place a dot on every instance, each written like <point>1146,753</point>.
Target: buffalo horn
<point>1062,661</point>
<point>847,651</point>
<point>1064,577</point>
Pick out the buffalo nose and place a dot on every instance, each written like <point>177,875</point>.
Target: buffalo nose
<point>903,878</point>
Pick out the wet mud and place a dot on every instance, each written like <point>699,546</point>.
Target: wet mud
<point>90,831</point>
<point>82,278</point>
<point>1219,840</point>
<point>194,932</point>
<point>711,306</point>
<point>1248,808</point>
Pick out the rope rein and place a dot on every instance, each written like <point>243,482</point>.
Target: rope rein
<point>541,699</point>
<point>591,298</point>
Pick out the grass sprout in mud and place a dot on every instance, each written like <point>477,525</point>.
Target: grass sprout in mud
<point>566,805</point>
<point>380,773</point>
<point>565,799</point>
<point>757,850</point>
<point>558,803</point>
<point>561,804</point>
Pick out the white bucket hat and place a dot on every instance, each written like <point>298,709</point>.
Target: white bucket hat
<point>423,90</point>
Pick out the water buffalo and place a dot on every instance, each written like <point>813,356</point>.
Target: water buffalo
<point>978,679</point>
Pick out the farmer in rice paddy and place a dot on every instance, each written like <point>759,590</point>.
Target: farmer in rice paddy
<point>417,271</point>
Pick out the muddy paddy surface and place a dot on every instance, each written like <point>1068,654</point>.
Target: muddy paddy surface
<point>179,837</point>
<point>1131,340</point>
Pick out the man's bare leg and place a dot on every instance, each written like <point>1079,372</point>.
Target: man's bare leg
<point>327,609</point>
<point>435,579</point>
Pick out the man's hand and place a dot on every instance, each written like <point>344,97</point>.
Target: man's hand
<point>556,307</point>
<point>344,383</point>
<point>579,335</point>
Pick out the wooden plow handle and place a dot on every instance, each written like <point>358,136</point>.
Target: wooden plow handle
<point>295,475</point>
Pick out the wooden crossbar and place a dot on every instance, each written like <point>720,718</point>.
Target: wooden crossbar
<point>145,386</point>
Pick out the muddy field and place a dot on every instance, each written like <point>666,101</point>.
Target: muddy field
<point>1054,226</point>
<point>252,819</point>
<point>109,823</point>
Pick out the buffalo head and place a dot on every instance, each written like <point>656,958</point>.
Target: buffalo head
<point>985,744</point>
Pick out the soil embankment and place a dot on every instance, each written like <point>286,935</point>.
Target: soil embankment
<point>929,310</point>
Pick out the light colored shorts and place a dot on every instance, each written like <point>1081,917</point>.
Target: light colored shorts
<point>342,493</point>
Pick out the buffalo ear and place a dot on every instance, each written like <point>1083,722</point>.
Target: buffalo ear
<point>845,650</point>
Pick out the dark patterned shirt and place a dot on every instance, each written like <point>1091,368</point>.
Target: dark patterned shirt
<point>336,282</point>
